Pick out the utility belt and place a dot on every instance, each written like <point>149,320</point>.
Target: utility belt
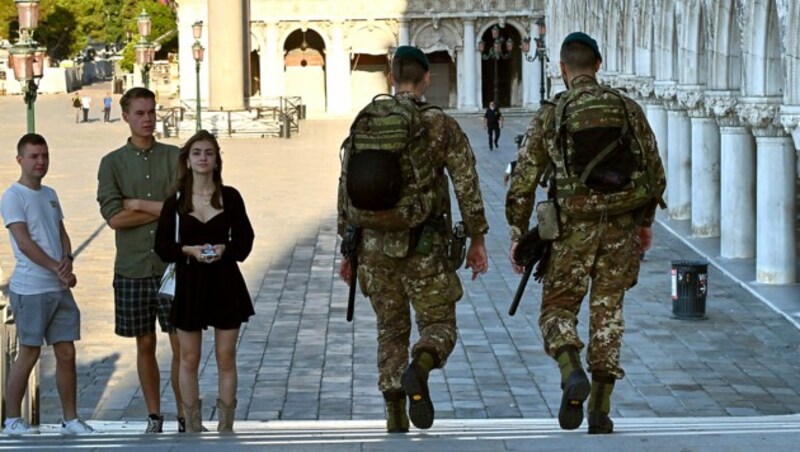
<point>422,240</point>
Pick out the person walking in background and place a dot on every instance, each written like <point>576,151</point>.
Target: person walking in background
<point>493,122</point>
<point>86,104</point>
<point>39,290</point>
<point>607,180</point>
<point>107,101</point>
<point>133,181</point>
<point>405,265</point>
<point>214,234</point>
<point>76,105</point>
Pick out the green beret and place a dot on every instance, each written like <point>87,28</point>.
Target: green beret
<point>412,53</point>
<point>584,39</point>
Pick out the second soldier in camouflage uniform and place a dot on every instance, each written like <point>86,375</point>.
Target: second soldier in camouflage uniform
<point>427,283</point>
<point>603,250</point>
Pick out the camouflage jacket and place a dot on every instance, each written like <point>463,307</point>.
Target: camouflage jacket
<point>541,152</point>
<point>451,151</point>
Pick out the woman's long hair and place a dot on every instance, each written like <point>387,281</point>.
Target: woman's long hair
<point>186,177</point>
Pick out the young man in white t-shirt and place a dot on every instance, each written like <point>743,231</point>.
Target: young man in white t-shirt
<point>39,290</point>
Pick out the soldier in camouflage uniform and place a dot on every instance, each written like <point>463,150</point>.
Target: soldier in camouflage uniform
<point>604,250</point>
<point>428,283</point>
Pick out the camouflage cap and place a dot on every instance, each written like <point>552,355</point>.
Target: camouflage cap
<point>412,53</point>
<point>584,39</point>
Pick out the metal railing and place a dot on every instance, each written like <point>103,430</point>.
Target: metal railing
<point>266,116</point>
<point>9,346</point>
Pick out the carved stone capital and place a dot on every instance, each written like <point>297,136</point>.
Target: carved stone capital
<point>667,92</point>
<point>722,106</point>
<point>646,88</point>
<point>761,116</point>
<point>790,120</point>
<point>691,98</point>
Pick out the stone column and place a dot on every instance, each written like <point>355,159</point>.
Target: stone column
<point>226,55</point>
<point>776,203</point>
<point>271,59</point>
<point>705,157</point>
<point>469,65</point>
<point>679,159</point>
<point>737,178</point>
<point>657,117</point>
<point>338,73</point>
<point>403,35</point>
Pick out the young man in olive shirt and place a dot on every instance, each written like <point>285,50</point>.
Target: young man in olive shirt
<point>133,181</point>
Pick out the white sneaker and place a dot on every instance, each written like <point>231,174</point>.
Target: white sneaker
<point>76,426</point>
<point>19,427</point>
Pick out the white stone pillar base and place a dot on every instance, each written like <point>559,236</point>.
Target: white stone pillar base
<point>705,178</point>
<point>738,195</point>
<point>679,165</point>
<point>776,253</point>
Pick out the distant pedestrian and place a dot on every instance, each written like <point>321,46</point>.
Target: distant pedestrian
<point>107,107</point>
<point>493,122</point>
<point>86,104</point>
<point>39,290</point>
<point>76,105</point>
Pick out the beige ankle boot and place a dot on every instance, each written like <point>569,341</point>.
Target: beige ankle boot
<point>225,415</point>
<point>193,415</point>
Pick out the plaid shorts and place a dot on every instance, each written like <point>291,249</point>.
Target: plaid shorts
<point>136,306</point>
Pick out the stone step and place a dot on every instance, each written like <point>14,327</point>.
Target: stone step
<point>351,432</point>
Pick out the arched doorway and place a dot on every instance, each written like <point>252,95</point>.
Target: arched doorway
<point>304,63</point>
<point>441,91</point>
<point>501,66</point>
<point>368,77</point>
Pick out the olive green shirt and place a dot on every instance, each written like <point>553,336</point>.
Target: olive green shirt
<point>132,173</point>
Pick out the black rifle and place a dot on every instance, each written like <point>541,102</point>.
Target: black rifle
<point>531,249</point>
<point>349,249</point>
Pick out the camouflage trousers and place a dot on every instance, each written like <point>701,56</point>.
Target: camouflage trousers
<point>605,253</point>
<point>393,287</point>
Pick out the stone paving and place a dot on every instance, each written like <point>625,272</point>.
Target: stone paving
<point>300,360</point>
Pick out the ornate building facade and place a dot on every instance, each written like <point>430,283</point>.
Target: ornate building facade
<point>720,81</point>
<point>335,54</point>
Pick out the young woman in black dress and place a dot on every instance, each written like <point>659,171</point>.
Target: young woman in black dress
<point>214,234</point>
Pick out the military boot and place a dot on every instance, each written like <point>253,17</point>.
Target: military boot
<point>575,387</point>
<point>600,404</point>
<point>396,417</point>
<point>415,385</point>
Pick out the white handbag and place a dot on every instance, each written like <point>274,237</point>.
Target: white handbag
<point>167,288</point>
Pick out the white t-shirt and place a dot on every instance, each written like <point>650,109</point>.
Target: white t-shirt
<point>41,213</point>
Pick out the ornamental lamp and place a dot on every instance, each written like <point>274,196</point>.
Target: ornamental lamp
<point>38,62</point>
<point>197,30</point>
<point>144,24</point>
<point>495,32</point>
<point>197,52</point>
<point>20,58</point>
<point>541,27</point>
<point>526,44</point>
<point>509,45</point>
<point>481,46</point>
<point>28,11</point>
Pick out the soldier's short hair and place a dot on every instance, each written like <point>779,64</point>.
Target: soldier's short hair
<point>407,70</point>
<point>30,138</point>
<point>578,56</point>
<point>135,93</point>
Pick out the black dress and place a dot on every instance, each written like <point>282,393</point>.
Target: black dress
<point>208,294</point>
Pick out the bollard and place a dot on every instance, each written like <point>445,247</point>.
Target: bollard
<point>689,289</point>
<point>287,126</point>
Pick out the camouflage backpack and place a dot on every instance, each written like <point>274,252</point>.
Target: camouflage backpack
<point>600,167</point>
<point>388,174</point>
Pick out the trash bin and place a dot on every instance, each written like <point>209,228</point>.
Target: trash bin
<point>689,289</point>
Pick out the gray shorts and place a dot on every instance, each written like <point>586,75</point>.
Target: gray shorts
<point>52,316</point>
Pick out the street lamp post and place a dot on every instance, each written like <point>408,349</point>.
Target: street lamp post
<point>197,53</point>
<point>541,54</point>
<point>145,50</point>
<point>26,58</point>
<point>496,52</point>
